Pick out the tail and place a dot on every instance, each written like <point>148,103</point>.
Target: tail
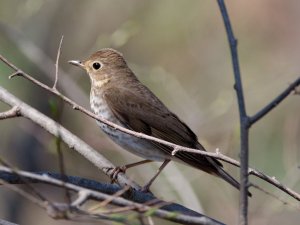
<point>225,176</point>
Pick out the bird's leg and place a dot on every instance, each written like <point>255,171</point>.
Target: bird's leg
<point>122,169</point>
<point>125,167</point>
<point>147,186</point>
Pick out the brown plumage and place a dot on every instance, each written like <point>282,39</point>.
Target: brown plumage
<point>117,95</point>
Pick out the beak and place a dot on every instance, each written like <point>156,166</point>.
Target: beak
<point>76,63</point>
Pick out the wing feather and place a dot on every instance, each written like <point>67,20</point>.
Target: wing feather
<point>145,116</point>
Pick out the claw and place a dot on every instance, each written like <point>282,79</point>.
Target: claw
<point>115,171</point>
<point>145,189</point>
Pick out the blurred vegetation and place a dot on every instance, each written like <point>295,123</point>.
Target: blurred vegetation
<point>179,49</point>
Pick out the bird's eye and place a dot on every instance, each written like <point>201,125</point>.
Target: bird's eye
<point>96,65</point>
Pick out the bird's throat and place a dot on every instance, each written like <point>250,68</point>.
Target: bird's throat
<point>99,83</point>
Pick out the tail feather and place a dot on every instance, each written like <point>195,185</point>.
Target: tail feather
<point>212,166</point>
<point>225,176</point>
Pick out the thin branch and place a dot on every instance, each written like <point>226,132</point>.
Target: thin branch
<point>83,196</point>
<point>62,165</point>
<point>70,139</point>
<point>119,201</point>
<point>107,201</point>
<point>11,113</point>
<point>235,59</point>
<point>26,195</point>
<point>42,61</point>
<point>275,197</point>
<point>110,189</point>
<point>56,63</point>
<point>275,182</point>
<point>57,114</point>
<point>264,111</point>
<point>28,185</point>
<point>244,120</point>
<point>251,171</point>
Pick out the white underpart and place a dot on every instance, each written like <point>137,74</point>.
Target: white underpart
<point>99,83</point>
<point>137,146</point>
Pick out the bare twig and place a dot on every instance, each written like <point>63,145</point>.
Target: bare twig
<point>275,197</point>
<point>30,187</point>
<point>62,165</point>
<point>11,113</point>
<point>56,63</point>
<point>150,220</point>
<point>261,113</point>
<point>155,204</point>
<point>118,201</point>
<point>83,196</point>
<point>58,115</point>
<point>71,140</point>
<point>107,201</point>
<point>244,120</point>
<point>42,61</point>
<point>26,195</point>
<point>275,182</point>
<point>251,171</point>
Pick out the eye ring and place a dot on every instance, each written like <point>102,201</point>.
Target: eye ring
<point>96,65</point>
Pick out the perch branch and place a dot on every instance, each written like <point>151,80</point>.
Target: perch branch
<point>188,218</point>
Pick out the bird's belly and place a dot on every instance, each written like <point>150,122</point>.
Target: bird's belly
<point>135,145</point>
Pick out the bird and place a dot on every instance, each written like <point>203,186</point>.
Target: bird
<point>117,95</point>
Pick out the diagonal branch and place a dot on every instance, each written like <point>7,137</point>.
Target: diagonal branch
<point>264,111</point>
<point>70,139</point>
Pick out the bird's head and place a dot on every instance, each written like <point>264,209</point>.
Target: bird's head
<point>104,66</point>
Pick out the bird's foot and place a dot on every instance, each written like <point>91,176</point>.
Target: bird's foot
<point>146,188</point>
<point>114,172</point>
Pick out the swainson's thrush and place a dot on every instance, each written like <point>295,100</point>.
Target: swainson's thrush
<point>118,96</point>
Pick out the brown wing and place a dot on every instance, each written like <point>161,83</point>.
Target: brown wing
<point>140,114</point>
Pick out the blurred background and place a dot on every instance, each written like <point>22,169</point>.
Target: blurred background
<point>179,50</point>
